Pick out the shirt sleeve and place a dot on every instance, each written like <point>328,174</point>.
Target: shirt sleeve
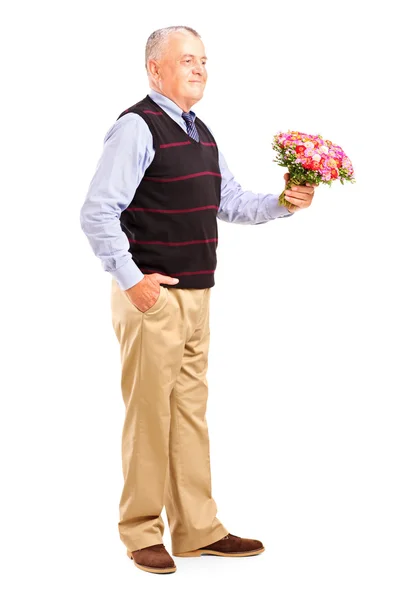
<point>127,152</point>
<point>244,206</point>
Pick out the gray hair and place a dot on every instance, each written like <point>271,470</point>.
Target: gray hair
<point>157,41</point>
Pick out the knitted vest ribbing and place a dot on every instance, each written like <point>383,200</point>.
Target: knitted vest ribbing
<point>171,222</point>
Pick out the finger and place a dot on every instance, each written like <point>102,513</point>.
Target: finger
<point>297,195</point>
<point>304,190</point>
<point>301,189</point>
<point>300,202</point>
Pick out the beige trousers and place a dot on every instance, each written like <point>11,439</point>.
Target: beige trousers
<point>165,443</point>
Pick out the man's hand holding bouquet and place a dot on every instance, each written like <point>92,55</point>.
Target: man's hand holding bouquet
<point>310,160</point>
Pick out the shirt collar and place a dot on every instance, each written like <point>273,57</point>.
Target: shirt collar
<point>172,109</point>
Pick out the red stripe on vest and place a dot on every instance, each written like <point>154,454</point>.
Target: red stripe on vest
<point>172,210</point>
<point>177,274</point>
<point>174,144</point>
<point>166,180</point>
<point>160,243</point>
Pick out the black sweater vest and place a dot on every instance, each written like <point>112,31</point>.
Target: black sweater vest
<point>171,223</point>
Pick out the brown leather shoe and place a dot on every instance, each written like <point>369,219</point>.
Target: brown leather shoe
<point>154,559</point>
<point>230,545</point>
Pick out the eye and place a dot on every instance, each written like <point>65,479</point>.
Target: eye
<point>189,60</point>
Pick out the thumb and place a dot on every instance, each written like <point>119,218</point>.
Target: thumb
<point>166,279</point>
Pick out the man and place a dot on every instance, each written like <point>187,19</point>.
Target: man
<point>151,216</point>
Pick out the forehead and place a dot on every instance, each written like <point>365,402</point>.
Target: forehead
<point>180,43</point>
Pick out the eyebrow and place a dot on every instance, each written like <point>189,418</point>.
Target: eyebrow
<point>192,56</point>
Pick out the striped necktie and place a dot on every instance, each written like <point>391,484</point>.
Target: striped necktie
<point>190,126</point>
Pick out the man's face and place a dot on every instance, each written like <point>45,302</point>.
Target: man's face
<point>183,73</point>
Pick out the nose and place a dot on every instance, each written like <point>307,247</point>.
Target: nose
<point>199,68</point>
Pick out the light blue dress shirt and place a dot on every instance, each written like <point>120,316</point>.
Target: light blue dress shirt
<point>127,152</point>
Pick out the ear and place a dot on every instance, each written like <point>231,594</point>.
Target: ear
<point>153,67</point>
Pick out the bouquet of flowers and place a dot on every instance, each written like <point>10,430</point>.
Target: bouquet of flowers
<point>310,159</point>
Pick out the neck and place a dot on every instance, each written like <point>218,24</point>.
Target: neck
<point>184,104</point>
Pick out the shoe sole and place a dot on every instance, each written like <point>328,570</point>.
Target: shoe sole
<point>194,553</point>
<point>152,569</point>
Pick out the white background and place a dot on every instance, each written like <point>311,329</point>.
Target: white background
<point>303,408</point>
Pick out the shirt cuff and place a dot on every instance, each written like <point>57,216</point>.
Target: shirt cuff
<point>274,209</point>
<point>127,275</point>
